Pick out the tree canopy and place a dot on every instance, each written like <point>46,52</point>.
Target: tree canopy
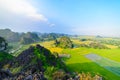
<point>3,44</point>
<point>64,42</point>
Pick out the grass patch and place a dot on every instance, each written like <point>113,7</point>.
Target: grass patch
<point>79,63</point>
<point>5,56</point>
<point>16,70</point>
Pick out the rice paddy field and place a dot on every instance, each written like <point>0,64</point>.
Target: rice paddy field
<point>78,62</point>
<point>104,62</point>
<point>108,66</point>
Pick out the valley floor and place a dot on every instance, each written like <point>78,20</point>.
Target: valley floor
<point>78,62</point>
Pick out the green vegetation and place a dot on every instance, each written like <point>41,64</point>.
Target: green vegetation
<point>3,44</point>
<point>36,58</point>
<point>4,58</point>
<point>64,42</point>
<point>79,63</point>
<point>26,40</point>
<point>29,38</point>
<point>60,58</point>
<point>9,35</point>
<point>108,64</point>
<point>50,36</point>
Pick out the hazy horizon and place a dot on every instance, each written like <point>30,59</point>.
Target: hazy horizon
<point>82,17</point>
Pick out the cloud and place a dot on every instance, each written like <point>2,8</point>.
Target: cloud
<point>22,7</point>
<point>52,25</point>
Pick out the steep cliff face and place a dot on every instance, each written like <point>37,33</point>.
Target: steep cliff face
<point>35,55</point>
<point>31,64</point>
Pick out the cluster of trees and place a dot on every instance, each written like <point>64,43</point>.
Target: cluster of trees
<point>4,56</point>
<point>3,44</point>
<point>64,42</point>
<point>111,42</point>
<point>95,45</point>
<point>85,39</point>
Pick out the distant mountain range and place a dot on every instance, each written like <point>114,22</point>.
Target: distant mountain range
<point>9,35</point>
<point>29,37</point>
<point>24,38</point>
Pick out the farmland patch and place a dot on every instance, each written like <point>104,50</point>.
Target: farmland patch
<point>108,64</point>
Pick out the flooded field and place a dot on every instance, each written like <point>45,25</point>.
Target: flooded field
<point>108,64</point>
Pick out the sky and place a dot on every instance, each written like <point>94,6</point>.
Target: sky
<point>82,17</point>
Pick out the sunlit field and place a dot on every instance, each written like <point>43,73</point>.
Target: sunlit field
<point>107,66</point>
<point>79,63</point>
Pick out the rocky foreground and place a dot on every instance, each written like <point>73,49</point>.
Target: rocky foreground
<point>30,64</point>
<point>37,63</point>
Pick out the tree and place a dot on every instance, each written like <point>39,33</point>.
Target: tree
<point>56,42</point>
<point>64,42</point>
<point>83,39</point>
<point>3,44</point>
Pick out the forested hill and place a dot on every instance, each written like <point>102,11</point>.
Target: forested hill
<point>11,36</point>
<point>34,63</point>
<point>29,37</point>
